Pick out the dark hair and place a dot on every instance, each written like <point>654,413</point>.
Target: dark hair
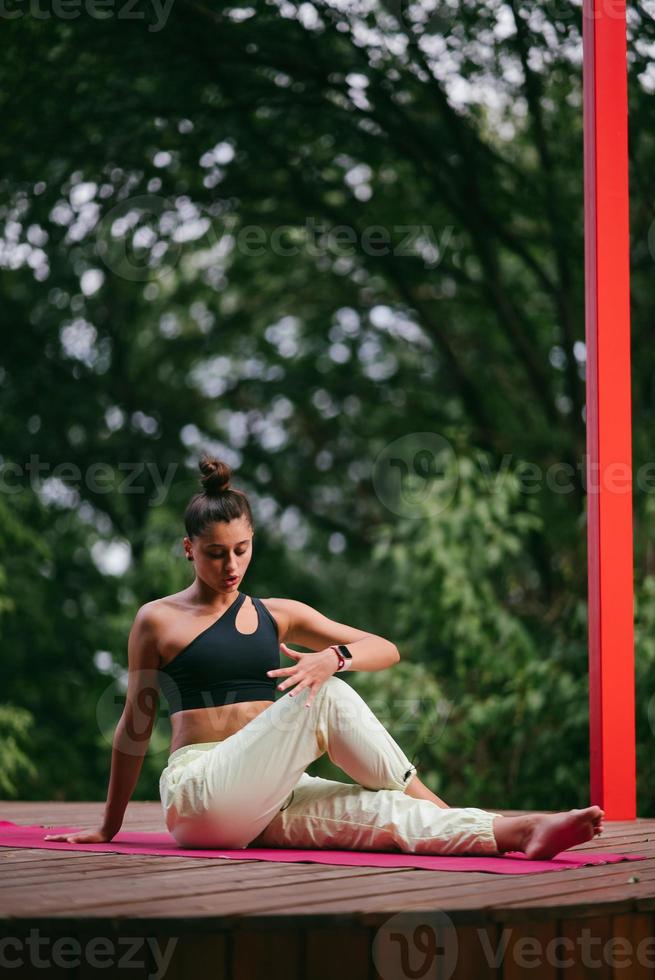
<point>217,501</point>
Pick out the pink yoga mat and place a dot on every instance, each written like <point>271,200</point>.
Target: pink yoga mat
<point>140,842</point>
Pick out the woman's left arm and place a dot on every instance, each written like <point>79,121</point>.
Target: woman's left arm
<point>301,624</point>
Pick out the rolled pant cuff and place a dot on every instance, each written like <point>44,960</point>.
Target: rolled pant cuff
<point>487,836</point>
<point>406,778</point>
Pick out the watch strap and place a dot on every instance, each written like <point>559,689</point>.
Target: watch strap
<point>344,655</point>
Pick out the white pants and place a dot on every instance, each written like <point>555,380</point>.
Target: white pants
<point>252,788</point>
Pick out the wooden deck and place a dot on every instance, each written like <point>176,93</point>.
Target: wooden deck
<point>241,920</point>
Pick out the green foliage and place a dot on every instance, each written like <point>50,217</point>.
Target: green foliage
<point>645,691</point>
<point>15,762</point>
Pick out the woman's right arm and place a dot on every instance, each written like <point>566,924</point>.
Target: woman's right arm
<point>134,729</point>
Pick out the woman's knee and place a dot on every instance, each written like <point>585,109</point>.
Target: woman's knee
<point>343,694</point>
<point>331,689</point>
<point>332,685</point>
<point>336,687</point>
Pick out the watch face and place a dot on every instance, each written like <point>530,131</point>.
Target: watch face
<point>345,651</point>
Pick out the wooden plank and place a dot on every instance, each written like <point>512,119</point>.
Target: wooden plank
<point>192,955</point>
<point>274,955</point>
<point>184,892</point>
<point>416,887</point>
<point>339,951</point>
<point>70,871</point>
<point>416,896</point>
<point>29,859</point>
<point>473,955</point>
<point>624,896</point>
<point>202,879</point>
<point>637,929</point>
<point>526,953</point>
<point>609,841</point>
<point>332,896</point>
<point>580,953</point>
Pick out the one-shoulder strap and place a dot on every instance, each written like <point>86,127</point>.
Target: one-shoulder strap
<point>216,627</point>
<point>260,605</point>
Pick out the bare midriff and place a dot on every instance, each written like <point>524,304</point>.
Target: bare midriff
<point>212,724</point>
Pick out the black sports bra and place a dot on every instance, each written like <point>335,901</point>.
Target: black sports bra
<point>222,665</point>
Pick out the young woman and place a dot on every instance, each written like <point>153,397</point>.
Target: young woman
<point>236,771</point>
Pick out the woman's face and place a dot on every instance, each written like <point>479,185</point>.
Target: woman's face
<point>221,554</point>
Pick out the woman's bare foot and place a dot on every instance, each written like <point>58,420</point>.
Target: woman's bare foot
<point>542,835</point>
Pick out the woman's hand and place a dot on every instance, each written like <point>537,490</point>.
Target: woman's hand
<point>311,670</point>
<point>82,837</point>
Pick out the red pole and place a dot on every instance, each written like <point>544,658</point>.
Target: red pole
<point>608,410</point>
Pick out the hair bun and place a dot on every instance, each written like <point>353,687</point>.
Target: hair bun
<point>216,475</point>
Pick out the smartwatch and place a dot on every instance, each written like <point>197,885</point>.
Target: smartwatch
<point>344,655</point>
